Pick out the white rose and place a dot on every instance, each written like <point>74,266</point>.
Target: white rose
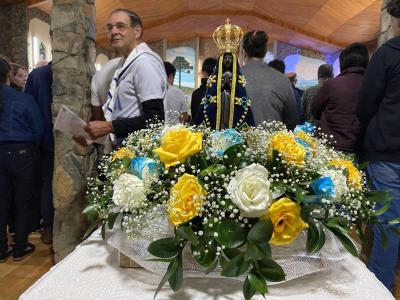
<point>250,191</point>
<point>339,180</point>
<point>129,192</point>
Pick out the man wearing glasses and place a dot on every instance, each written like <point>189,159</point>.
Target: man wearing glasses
<point>138,88</point>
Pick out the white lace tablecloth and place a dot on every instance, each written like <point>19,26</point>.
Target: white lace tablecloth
<point>92,272</point>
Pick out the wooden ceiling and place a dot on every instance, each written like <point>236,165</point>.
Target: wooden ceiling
<point>323,25</point>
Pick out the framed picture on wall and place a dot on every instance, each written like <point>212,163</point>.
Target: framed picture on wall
<point>184,60</point>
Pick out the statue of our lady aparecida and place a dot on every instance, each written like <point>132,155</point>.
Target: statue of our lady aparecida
<point>225,104</point>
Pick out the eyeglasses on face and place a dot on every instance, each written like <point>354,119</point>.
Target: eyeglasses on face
<point>119,25</point>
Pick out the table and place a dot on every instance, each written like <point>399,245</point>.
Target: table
<point>92,272</point>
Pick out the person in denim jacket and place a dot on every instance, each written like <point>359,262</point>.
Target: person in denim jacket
<point>21,129</point>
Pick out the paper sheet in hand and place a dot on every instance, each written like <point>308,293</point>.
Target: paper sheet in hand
<point>70,124</point>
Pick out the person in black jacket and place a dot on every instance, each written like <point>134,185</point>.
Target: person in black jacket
<point>379,113</point>
<point>207,69</point>
<point>39,85</point>
<point>21,130</point>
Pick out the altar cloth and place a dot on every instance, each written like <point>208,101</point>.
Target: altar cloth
<point>92,271</point>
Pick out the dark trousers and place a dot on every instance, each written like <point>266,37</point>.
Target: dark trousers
<point>17,183</point>
<point>383,262</point>
<point>43,209</point>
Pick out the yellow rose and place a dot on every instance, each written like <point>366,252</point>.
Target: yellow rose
<point>355,177</point>
<point>285,216</point>
<point>179,144</point>
<point>186,200</point>
<point>287,146</point>
<point>123,152</point>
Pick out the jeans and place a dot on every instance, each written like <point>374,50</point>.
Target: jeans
<point>383,263</point>
<point>17,182</point>
<point>43,208</point>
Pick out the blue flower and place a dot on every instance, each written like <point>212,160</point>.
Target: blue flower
<point>306,127</point>
<point>324,186</point>
<point>300,141</point>
<point>143,166</point>
<point>222,140</point>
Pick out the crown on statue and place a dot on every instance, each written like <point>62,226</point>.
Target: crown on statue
<point>227,37</point>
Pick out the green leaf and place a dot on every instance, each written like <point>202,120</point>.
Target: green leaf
<point>103,231</point>
<point>394,221</point>
<point>205,258</point>
<point>176,278</point>
<point>363,165</point>
<point>126,161</point>
<point>266,249</point>
<point>198,161</point>
<point>394,229</point>
<point>172,268</point>
<point>261,232</point>
<point>232,155</point>
<point>164,248</point>
<point>344,239</point>
<point>257,282</point>
<point>312,237</point>
<point>187,234</point>
<point>315,238</point>
<point>216,169</point>
<point>305,212</point>
<point>271,270</point>
<point>381,197</point>
<point>384,237</point>
<point>383,209</point>
<point>335,223</point>
<point>248,290</point>
<point>92,228</point>
<point>90,213</point>
<point>321,239</point>
<point>212,266</point>
<point>253,253</point>
<point>235,267</point>
<point>223,261</point>
<point>299,195</point>
<point>111,219</point>
<point>361,233</point>
<point>231,253</point>
<point>230,234</point>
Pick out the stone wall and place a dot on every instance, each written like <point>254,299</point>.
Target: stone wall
<point>13,33</point>
<point>386,32</point>
<point>73,41</point>
<point>38,14</point>
<point>207,48</point>
<point>157,47</point>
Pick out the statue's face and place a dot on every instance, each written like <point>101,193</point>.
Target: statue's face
<point>228,60</point>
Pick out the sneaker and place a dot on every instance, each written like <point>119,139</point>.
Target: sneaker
<point>4,256</point>
<point>47,236</point>
<point>28,249</point>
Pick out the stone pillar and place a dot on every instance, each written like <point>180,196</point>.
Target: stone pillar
<point>73,42</point>
<point>14,33</point>
<point>386,32</point>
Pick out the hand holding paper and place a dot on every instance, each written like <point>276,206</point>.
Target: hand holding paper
<point>72,125</point>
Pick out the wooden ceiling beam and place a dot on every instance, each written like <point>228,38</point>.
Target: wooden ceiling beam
<point>34,3</point>
<point>229,13</point>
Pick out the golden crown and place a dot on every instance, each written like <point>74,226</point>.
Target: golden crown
<point>227,37</point>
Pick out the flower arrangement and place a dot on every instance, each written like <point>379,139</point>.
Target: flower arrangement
<point>229,195</point>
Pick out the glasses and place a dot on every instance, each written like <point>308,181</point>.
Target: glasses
<point>120,27</point>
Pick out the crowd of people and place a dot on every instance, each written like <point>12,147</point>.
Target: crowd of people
<point>357,110</point>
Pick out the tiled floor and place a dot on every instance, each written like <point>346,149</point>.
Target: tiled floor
<point>16,277</point>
